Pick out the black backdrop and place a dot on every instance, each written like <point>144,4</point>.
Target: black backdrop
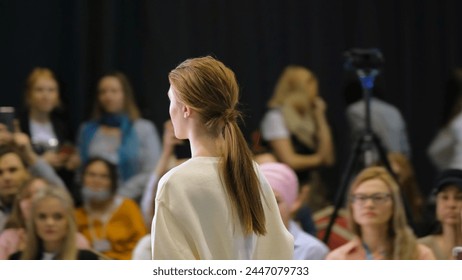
<point>80,40</point>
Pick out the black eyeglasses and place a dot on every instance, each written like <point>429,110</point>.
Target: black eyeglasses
<point>377,198</point>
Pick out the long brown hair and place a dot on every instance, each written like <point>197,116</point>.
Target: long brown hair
<point>130,106</point>
<point>210,88</point>
<point>408,183</point>
<point>402,239</point>
<point>68,250</point>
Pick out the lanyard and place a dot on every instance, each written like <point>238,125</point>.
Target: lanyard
<point>369,255</point>
<point>368,252</point>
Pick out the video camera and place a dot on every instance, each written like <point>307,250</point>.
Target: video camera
<point>364,59</point>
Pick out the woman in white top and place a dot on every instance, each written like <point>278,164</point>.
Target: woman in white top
<point>216,205</point>
<point>445,150</point>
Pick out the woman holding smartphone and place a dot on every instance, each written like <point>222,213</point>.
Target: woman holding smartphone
<point>42,119</point>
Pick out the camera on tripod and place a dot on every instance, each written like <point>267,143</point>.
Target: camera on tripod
<point>363,59</point>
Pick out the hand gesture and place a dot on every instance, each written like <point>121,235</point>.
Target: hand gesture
<point>319,106</point>
<point>6,137</point>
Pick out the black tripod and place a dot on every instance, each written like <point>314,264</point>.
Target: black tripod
<point>367,144</point>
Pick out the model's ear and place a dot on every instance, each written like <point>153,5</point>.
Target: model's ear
<point>186,111</point>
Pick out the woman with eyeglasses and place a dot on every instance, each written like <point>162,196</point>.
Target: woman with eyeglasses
<point>377,218</point>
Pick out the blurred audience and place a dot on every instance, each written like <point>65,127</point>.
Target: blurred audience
<point>119,134</point>
<point>448,234</point>
<point>295,125</point>
<point>43,120</point>
<point>18,162</point>
<point>174,152</point>
<point>445,150</point>
<point>51,230</point>
<point>410,190</point>
<point>386,120</point>
<point>284,183</point>
<point>296,130</point>
<point>377,218</point>
<point>112,223</point>
<point>14,237</point>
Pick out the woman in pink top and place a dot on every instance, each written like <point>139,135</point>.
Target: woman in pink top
<point>376,217</point>
<point>13,238</point>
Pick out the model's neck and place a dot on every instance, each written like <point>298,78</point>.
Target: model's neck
<point>202,145</point>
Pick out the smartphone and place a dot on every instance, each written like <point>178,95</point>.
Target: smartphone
<point>457,252</point>
<point>7,117</point>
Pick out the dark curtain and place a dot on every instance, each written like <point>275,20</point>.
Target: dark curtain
<point>81,40</point>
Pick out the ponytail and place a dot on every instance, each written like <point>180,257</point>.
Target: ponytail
<point>241,181</point>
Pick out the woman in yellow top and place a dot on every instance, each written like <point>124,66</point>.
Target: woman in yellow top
<point>113,224</point>
<point>376,216</point>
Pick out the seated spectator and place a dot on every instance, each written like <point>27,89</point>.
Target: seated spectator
<point>43,120</point>
<point>118,134</point>
<point>376,217</point>
<point>448,192</point>
<point>14,236</point>
<point>445,150</point>
<point>18,162</point>
<point>284,183</point>
<point>404,171</point>
<point>173,153</point>
<point>51,230</point>
<point>296,130</point>
<point>295,126</point>
<point>386,120</point>
<point>113,224</point>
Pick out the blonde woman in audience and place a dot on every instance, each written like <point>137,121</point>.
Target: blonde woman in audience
<point>216,205</point>
<point>51,230</point>
<point>112,223</point>
<point>377,218</point>
<point>295,125</point>
<point>296,129</point>
<point>448,192</point>
<point>14,237</point>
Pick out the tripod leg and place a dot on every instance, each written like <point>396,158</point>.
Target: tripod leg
<point>386,162</point>
<point>346,177</point>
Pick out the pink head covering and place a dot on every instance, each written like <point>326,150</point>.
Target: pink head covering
<point>282,179</point>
